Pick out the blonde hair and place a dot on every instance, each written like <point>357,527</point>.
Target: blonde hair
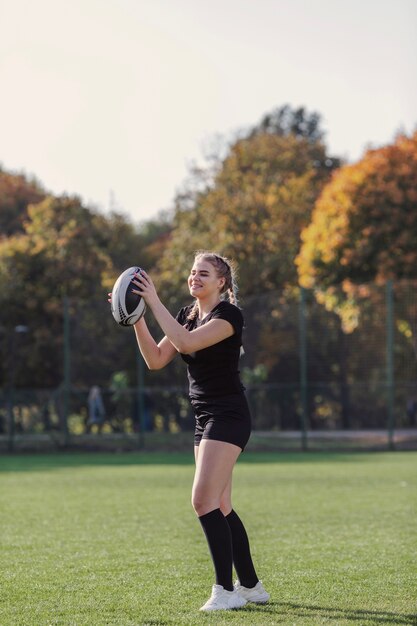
<point>225,268</point>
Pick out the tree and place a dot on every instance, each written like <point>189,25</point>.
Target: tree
<point>56,256</point>
<point>285,121</point>
<point>363,232</point>
<point>65,249</point>
<point>127,244</point>
<point>251,206</point>
<point>364,225</point>
<point>363,228</point>
<point>17,192</point>
<point>254,208</point>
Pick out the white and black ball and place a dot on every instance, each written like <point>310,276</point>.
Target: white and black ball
<point>127,307</point>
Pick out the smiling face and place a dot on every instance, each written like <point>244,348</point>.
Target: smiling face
<point>203,281</point>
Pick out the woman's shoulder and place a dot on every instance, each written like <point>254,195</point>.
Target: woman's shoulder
<point>229,311</point>
<point>225,305</point>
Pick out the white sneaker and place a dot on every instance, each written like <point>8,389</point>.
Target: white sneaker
<point>256,594</point>
<point>221,599</point>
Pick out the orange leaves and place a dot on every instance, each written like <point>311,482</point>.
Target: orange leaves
<point>364,224</point>
<point>363,228</point>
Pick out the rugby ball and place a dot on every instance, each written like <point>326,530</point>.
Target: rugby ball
<point>127,307</point>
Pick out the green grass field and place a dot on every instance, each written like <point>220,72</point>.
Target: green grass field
<point>112,539</point>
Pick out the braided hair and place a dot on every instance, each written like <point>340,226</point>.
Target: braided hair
<point>224,269</point>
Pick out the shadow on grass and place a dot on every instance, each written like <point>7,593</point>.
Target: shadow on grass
<point>24,462</point>
<point>312,612</point>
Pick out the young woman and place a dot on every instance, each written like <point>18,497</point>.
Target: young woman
<point>208,335</point>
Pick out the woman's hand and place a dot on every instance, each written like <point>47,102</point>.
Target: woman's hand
<point>145,287</point>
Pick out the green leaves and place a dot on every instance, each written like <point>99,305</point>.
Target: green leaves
<point>260,199</point>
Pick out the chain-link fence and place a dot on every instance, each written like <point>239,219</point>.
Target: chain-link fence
<point>310,381</point>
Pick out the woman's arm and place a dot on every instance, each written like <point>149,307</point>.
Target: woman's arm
<point>156,355</point>
<point>183,340</point>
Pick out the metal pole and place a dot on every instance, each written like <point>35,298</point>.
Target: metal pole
<point>67,369</point>
<point>15,332</point>
<point>10,393</point>
<point>141,400</point>
<point>302,322</point>
<point>389,298</point>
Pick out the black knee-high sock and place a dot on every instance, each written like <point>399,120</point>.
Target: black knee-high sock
<point>241,551</point>
<point>218,536</point>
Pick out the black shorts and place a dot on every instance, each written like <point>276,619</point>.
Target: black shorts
<point>224,418</point>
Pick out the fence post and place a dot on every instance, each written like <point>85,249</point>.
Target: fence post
<point>302,323</point>
<point>10,392</point>
<point>67,369</point>
<point>140,400</point>
<point>12,357</point>
<point>389,299</point>
<point>10,420</point>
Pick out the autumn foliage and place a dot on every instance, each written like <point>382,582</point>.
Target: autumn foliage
<point>17,192</point>
<point>274,201</point>
<point>364,225</point>
<point>254,211</point>
<point>363,232</point>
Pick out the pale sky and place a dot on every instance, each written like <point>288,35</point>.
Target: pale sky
<point>112,99</point>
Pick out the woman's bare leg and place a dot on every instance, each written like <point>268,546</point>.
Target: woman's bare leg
<point>215,461</point>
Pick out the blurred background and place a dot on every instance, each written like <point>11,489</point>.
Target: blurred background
<point>282,136</point>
